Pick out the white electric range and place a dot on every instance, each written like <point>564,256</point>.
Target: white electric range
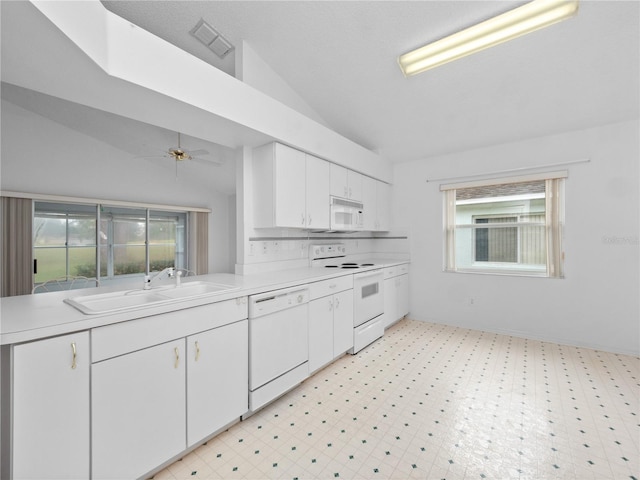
<point>368,288</point>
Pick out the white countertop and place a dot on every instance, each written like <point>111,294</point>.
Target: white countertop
<point>31,317</point>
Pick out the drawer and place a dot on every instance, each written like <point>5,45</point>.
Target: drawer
<point>329,287</point>
<point>118,339</point>
<point>390,272</point>
<point>402,269</point>
<point>396,270</point>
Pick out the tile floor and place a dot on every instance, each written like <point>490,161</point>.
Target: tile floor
<point>437,402</point>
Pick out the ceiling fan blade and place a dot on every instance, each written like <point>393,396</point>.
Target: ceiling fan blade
<point>215,163</point>
<point>198,153</point>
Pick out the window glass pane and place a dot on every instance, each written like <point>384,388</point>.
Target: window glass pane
<point>161,256</point>
<point>128,259</point>
<point>52,263</point>
<point>82,230</point>
<point>484,235</point>
<point>82,261</point>
<point>49,230</point>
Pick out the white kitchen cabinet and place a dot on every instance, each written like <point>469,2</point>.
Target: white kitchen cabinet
<point>396,293</point>
<point>217,379</point>
<point>291,188</point>
<point>138,411</point>
<point>320,332</point>
<point>375,199</point>
<point>141,400</point>
<point>369,204</point>
<point>50,408</point>
<point>317,192</point>
<point>330,320</point>
<point>383,204</point>
<point>346,183</point>
<point>342,322</point>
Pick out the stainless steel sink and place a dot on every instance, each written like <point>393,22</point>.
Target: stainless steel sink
<point>139,299</point>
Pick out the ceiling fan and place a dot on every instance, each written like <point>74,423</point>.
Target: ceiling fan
<point>179,154</point>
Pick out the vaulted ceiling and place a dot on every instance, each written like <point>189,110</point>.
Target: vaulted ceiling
<point>340,57</point>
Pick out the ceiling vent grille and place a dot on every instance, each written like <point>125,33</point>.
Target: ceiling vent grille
<point>212,39</point>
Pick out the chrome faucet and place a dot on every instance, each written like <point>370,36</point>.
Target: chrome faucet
<point>168,272</point>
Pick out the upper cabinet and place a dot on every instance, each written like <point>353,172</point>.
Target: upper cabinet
<point>346,183</point>
<point>290,188</point>
<point>375,200</point>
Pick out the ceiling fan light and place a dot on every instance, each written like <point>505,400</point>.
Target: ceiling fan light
<point>512,24</point>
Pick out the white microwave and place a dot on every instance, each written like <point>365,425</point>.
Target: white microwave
<point>346,215</point>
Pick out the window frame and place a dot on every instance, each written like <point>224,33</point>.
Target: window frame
<point>553,228</point>
<point>67,210</point>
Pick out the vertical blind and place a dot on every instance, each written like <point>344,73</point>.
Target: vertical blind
<point>17,251</point>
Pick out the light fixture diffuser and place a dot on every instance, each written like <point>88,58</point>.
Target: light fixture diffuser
<point>512,24</point>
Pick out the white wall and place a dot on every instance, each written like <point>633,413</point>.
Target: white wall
<point>597,304</point>
<point>42,156</point>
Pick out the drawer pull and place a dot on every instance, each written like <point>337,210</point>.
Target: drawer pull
<point>177,362</point>
<point>75,354</point>
<point>197,351</point>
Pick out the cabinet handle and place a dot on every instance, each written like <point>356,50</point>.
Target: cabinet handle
<point>197,351</point>
<point>330,305</point>
<point>177,362</point>
<point>350,192</point>
<point>337,303</point>
<point>309,220</point>
<point>75,354</point>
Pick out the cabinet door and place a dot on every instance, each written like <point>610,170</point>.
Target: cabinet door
<point>318,184</point>
<point>402,292</point>
<point>342,322</point>
<point>51,408</point>
<point>390,302</point>
<point>339,187</point>
<point>289,187</point>
<point>320,332</point>
<point>354,182</point>
<point>383,202</point>
<point>217,379</point>
<point>369,202</point>
<point>138,411</point>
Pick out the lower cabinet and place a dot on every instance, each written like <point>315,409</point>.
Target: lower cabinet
<point>396,294</point>
<point>138,411</point>
<point>217,379</point>
<point>330,320</point>
<point>164,383</point>
<point>49,403</point>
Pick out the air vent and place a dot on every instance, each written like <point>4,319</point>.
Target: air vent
<point>212,39</point>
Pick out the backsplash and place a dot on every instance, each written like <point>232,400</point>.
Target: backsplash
<point>269,253</point>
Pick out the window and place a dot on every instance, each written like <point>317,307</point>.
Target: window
<point>509,226</point>
<point>128,242</point>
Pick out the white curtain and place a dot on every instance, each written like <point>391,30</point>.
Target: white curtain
<point>17,249</point>
<point>450,230</point>
<point>554,220</point>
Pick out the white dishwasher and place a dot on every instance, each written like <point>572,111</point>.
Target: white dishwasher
<point>278,343</point>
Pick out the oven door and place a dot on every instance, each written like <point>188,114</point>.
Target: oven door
<point>368,302</point>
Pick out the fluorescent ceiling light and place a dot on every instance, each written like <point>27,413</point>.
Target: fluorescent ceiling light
<point>512,24</point>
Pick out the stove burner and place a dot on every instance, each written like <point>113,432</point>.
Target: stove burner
<point>331,266</point>
<point>367,264</point>
<point>350,266</point>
